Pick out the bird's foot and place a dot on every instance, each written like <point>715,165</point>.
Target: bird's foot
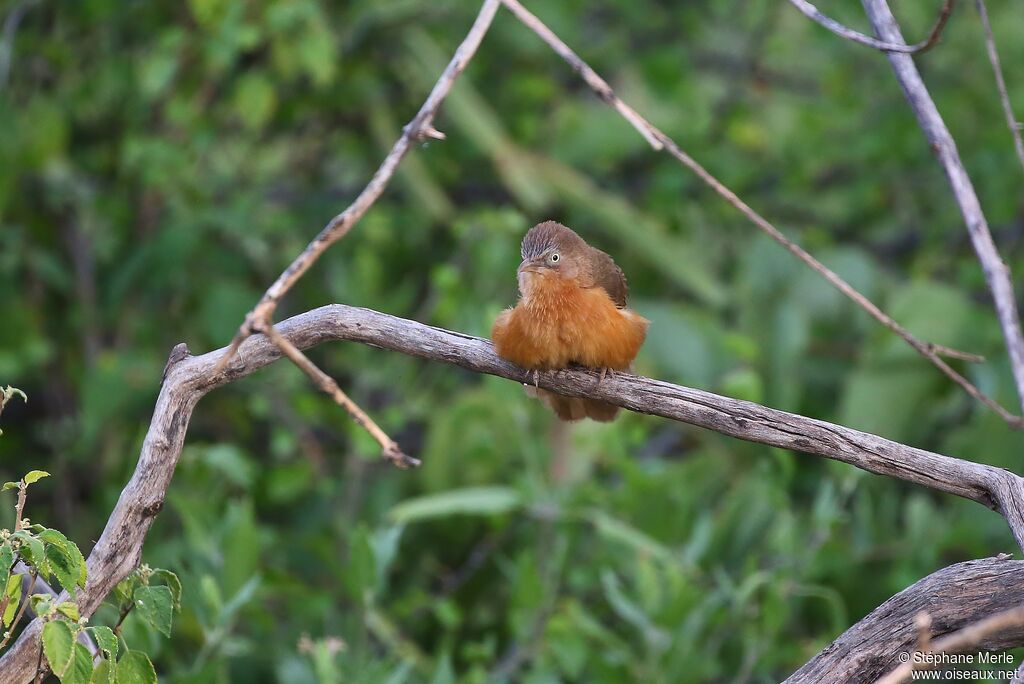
<point>536,378</point>
<point>605,372</point>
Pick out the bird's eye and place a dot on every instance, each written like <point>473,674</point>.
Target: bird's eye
<point>554,258</point>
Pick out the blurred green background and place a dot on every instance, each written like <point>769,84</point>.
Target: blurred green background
<point>161,163</point>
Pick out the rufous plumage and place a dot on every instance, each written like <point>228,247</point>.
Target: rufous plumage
<point>571,310</point>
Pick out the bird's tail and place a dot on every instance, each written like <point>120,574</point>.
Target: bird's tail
<point>574,408</point>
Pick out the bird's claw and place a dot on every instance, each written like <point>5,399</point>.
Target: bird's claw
<point>536,378</point>
<point>605,372</point>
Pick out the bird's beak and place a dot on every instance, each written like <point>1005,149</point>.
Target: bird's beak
<point>527,266</point>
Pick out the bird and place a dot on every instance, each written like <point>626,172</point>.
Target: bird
<point>571,310</point>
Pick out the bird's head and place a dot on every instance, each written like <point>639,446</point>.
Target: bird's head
<point>551,250</point>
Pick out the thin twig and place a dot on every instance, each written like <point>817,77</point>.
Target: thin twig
<point>813,13</point>
<point>421,127</point>
<point>997,275</point>
<point>389,448</point>
<point>930,351</point>
<point>997,70</point>
<point>19,508</point>
<point>19,512</point>
<point>969,636</point>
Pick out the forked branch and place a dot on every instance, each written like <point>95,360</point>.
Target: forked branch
<point>813,13</point>
<point>600,86</point>
<point>187,379</point>
<point>997,275</point>
<point>421,127</point>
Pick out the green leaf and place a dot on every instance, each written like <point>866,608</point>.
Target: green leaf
<point>35,476</point>
<point>62,569</point>
<point>104,673</point>
<point>135,668</point>
<point>6,561</point>
<point>69,609</point>
<point>123,589</point>
<point>172,582</point>
<point>42,604</point>
<point>10,485</point>
<point>32,552</point>
<point>13,592</point>
<point>71,561</point>
<point>58,646</point>
<point>106,640</point>
<point>155,605</point>
<point>80,669</point>
<point>469,501</point>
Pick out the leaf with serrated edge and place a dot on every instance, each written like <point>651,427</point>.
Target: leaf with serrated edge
<point>80,670</point>
<point>13,593</point>
<point>172,582</point>
<point>105,639</point>
<point>76,561</point>
<point>154,604</point>
<point>58,645</point>
<point>6,561</point>
<point>69,609</point>
<point>33,552</point>
<point>104,673</point>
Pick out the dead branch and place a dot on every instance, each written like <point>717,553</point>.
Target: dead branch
<point>813,13</point>
<point>955,598</point>
<point>971,636</point>
<point>997,275</point>
<point>327,384</point>
<point>421,127</point>
<point>188,378</point>
<point>600,86</point>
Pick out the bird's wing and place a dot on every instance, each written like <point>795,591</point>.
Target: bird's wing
<point>606,274</point>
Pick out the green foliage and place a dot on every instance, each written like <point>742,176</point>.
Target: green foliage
<point>153,594</point>
<point>161,163</point>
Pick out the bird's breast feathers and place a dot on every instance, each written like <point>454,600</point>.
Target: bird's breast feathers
<point>557,323</point>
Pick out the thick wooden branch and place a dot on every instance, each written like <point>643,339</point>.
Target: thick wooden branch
<point>954,597</point>
<point>997,275</point>
<point>188,378</point>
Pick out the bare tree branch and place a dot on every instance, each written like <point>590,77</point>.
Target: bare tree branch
<point>813,13</point>
<point>972,636</point>
<point>600,86</point>
<point>997,70</point>
<point>187,379</point>
<point>955,598</point>
<point>997,275</point>
<point>421,127</point>
<point>327,384</point>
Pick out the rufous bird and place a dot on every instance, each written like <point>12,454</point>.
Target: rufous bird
<point>571,310</point>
